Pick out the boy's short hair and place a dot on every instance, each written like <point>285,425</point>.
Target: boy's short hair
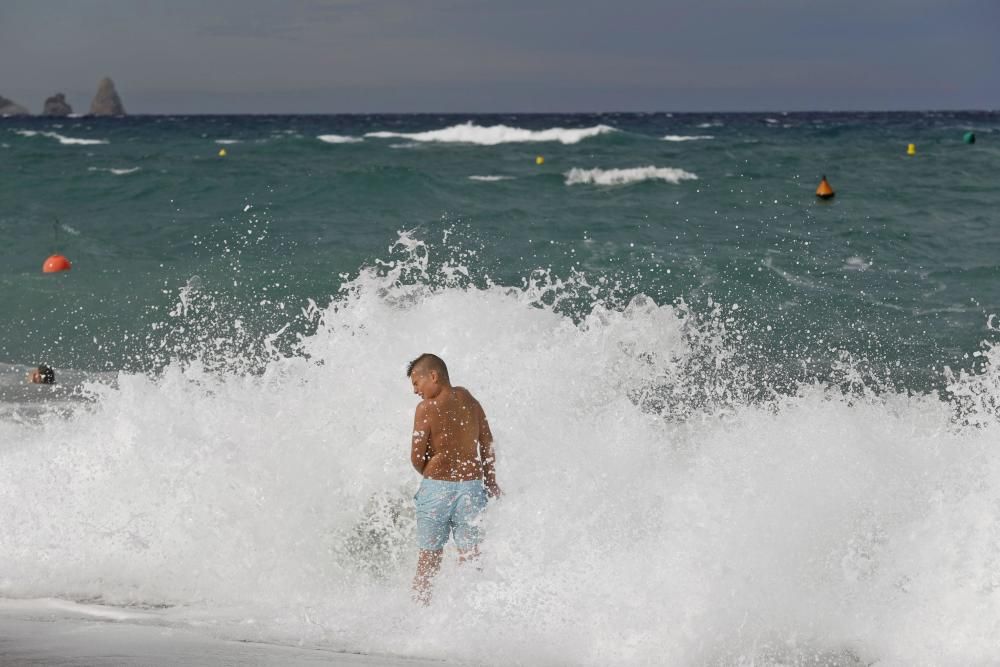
<point>428,362</point>
<point>46,373</point>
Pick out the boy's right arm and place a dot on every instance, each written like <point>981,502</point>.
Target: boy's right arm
<point>421,445</point>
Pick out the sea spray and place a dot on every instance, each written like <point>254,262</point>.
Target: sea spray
<point>662,503</point>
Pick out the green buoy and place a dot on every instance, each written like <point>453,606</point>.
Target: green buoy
<point>969,137</point>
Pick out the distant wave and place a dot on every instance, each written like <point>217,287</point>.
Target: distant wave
<point>712,124</point>
<point>490,179</point>
<point>577,176</point>
<point>681,137</point>
<point>62,139</point>
<point>339,139</point>
<point>227,141</point>
<point>856,263</point>
<point>469,133</point>
<point>116,172</point>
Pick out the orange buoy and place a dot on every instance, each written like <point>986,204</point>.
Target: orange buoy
<point>824,191</point>
<point>55,264</point>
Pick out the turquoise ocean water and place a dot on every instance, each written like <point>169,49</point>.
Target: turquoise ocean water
<point>899,269</point>
<point>786,408</point>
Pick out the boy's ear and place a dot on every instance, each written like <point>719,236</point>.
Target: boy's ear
<point>433,375</point>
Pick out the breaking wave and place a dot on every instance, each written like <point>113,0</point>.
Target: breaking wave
<point>68,141</point>
<point>578,176</point>
<point>681,137</point>
<point>339,139</point>
<point>469,133</point>
<point>663,503</point>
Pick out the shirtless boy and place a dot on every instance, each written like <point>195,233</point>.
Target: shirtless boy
<point>453,450</point>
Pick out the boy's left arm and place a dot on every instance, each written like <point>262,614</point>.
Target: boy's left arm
<point>486,455</point>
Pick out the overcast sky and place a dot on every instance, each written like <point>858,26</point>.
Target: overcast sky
<point>315,56</point>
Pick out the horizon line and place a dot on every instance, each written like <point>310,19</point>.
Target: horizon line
<point>499,113</point>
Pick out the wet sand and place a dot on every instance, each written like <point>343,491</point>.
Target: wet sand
<point>37,633</point>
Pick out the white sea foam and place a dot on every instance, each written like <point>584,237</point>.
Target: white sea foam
<point>856,263</point>
<point>228,141</point>
<point>339,139</point>
<point>469,133</point>
<point>577,176</point>
<point>651,511</point>
<point>682,137</point>
<point>68,141</point>
<point>707,125</point>
<point>490,179</point>
<point>116,171</point>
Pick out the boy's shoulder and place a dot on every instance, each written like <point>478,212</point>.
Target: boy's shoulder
<point>464,393</point>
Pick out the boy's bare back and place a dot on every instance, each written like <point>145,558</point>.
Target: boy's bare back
<point>448,431</point>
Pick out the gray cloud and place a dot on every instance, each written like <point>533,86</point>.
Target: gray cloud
<point>474,55</point>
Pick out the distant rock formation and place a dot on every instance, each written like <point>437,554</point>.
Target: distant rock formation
<point>9,108</point>
<point>106,101</point>
<point>57,106</point>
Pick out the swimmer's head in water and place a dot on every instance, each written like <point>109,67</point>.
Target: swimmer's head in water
<point>42,375</point>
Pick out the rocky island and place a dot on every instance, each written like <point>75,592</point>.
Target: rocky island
<point>10,108</point>
<point>57,106</point>
<point>106,101</point>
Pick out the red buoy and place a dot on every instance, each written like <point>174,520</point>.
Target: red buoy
<point>55,264</point>
<point>824,191</point>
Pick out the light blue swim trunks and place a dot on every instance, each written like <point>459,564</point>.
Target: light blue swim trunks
<point>449,507</point>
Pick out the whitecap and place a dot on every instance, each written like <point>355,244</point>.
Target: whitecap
<point>227,141</point>
<point>706,125</point>
<point>680,137</point>
<point>577,176</point>
<point>115,171</point>
<point>490,179</point>
<point>339,139</point>
<point>856,264</point>
<point>469,133</point>
<point>62,139</point>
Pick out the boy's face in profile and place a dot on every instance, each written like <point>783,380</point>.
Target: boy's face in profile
<point>34,377</point>
<point>425,385</point>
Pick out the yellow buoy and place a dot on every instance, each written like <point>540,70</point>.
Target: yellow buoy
<point>911,149</point>
<point>539,160</point>
<point>222,152</point>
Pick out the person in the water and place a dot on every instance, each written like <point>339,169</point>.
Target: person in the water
<point>452,448</point>
<point>42,375</point>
